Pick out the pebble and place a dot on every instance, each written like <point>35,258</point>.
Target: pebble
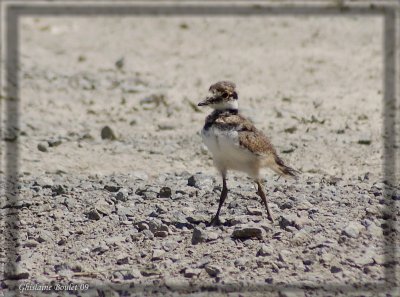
<point>199,235</point>
<point>107,133</point>
<point>265,250</point>
<point>254,211</point>
<point>43,147</point>
<point>352,229</point>
<point>200,181</point>
<point>158,254</point>
<point>244,233</point>
<point>335,269</point>
<point>94,215</point>
<point>121,196</point>
<point>191,272</point>
<point>284,256</point>
<point>165,192</point>
<point>213,270</point>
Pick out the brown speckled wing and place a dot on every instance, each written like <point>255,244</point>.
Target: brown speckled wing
<point>249,137</point>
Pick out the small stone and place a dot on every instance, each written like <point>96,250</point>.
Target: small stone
<point>244,233</point>
<point>54,142</point>
<point>265,250</point>
<point>212,236</point>
<point>213,270</point>
<point>200,181</point>
<point>199,235</point>
<point>241,262</point>
<point>335,269</point>
<point>107,133</point>
<point>93,215</point>
<point>17,275</point>
<point>123,259</point>
<point>45,236</point>
<point>158,254</point>
<point>254,211</point>
<point>30,243</point>
<point>365,139</point>
<point>191,272</point>
<point>112,188</point>
<point>119,64</point>
<point>284,255</point>
<point>150,271</point>
<point>58,190</point>
<point>162,234</point>
<point>165,192</point>
<point>43,147</point>
<point>352,230</point>
<point>122,196</point>
<point>148,234</point>
<point>396,195</point>
<point>100,249</point>
<point>301,237</point>
<point>286,221</point>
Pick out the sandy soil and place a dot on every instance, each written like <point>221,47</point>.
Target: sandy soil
<point>313,84</point>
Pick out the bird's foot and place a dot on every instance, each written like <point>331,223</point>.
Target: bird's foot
<point>215,221</point>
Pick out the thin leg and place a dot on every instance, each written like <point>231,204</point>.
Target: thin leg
<point>224,194</point>
<point>261,193</point>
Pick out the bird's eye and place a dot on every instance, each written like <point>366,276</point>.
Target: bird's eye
<point>225,95</point>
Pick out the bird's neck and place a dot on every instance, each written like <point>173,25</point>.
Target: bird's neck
<point>231,106</point>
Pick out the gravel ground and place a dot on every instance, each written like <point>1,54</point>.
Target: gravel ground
<point>116,189</point>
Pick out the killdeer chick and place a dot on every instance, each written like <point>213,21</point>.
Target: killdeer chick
<point>236,144</point>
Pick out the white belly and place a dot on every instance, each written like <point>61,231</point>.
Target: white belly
<point>227,153</point>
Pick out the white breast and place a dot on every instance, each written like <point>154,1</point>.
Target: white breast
<point>227,153</point>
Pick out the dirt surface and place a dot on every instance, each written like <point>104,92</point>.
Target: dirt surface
<point>129,205</point>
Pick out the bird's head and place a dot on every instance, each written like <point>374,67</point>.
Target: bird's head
<point>222,96</point>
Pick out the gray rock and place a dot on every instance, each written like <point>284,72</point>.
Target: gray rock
<point>30,243</point>
<point>43,147</point>
<point>112,188</point>
<point>94,215</point>
<point>265,250</point>
<point>107,133</point>
<point>44,182</point>
<point>58,189</point>
<point>17,275</point>
<point>365,139</point>
<point>165,192</point>
<point>245,232</point>
<point>284,256</point>
<point>335,269</point>
<point>191,272</point>
<point>158,254</point>
<point>200,181</point>
<point>213,270</point>
<point>254,211</point>
<point>352,229</point>
<point>123,259</point>
<point>161,234</point>
<point>45,236</point>
<point>396,195</point>
<point>241,262</point>
<point>150,271</point>
<point>100,249</point>
<point>199,235</point>
<point>301,237</point>
<point>122,195</point>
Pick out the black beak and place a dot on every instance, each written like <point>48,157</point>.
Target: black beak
<point>206,101</point>
<point>202,103</point>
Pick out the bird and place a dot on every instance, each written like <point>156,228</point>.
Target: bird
<point>236,144</point>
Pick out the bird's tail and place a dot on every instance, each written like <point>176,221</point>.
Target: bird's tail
<point>279,167</point>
